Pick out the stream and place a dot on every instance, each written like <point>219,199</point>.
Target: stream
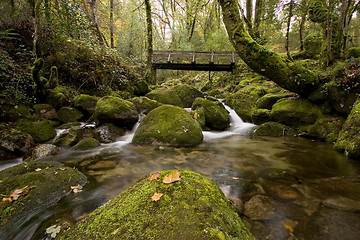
<point>308,185</point>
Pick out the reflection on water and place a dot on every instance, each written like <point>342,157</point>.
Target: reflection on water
<point>237,164</point>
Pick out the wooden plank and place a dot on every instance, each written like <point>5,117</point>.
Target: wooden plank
<point>194,67</point>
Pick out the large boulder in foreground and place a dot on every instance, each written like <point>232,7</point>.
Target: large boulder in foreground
<point>349,137</point>
<point>191,208</point>
<point>44,183</point>
<point>168,126</point>
<point>216,116</point>
<point>116,110</point>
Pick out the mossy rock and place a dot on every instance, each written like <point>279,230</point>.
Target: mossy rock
<point>340,99</point>
<point>51,184</point>
<point>44,150</point>
<point>141,88</point>
<point>14,113</point>
<point>41,131</point>
<point>187,94</point>
<point>168,125</point>
<point>199,116</point>
<point>349,137</point>
<point>260,116</point>
<point>273,129</point>
<point>192,208</point>
<point>86,144</point>
<point>268,100</point>
<point>61,96</point>
<point>295,113</point>
<point>216,116</point>
<point>115,110</point>
<point>46,111</point>
<point>144,104</point>
<point>69,137</point>
<point>68,114</point>
<point>165,96</point>
<point>326,128</point>
<point>353,52</point>
<point>86,103</point>
<point>14,143</point>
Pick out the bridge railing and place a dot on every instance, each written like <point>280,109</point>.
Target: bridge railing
<point>195,57</point>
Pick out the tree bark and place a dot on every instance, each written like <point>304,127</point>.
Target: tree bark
<point>262,60</point>
<point>249,9</point>
<point>149,40</point>
<point>288,29</point>
<point>112,45</point>
<point>257,18</point>
<point>37,26</point>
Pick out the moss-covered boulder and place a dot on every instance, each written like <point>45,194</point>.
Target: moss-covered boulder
<point>44,150</point>
<point>168,125</point>
<point>187,94</point>
<point>14,113</point>
<point>46,111</point>
<point>216,116</point>
<point>353,52</point>
<point>86,144</point>
<point>295,113</point>
<point>260,116</point>
<point>14,143</point>
<point>69,137</point>
<point>268,100</point>
<point>326,128</point>
<point>49,182</point>
<point>340,99</point>
<point>273,129</point>
<point>349,137</point>
<point>199,116</point>
<point>86,103</point>
<point>41,131</point>
<point>141,88</point>
<point>165,96</point>
<point>69,114</point>
<point>191,208</point>
<point>144,104</point>
<point>115,110</point>
<point>61,96</point>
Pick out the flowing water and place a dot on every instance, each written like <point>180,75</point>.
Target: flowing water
<point>299,177</point>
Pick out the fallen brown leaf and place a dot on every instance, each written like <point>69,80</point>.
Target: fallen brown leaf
<point>38,170</point>
<point>172,177</point>
<point>154,176</point>
<point>156,197</point>
<point>76,189</point>
<point>14,195</point>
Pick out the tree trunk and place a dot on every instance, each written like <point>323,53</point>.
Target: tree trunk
<point>37,26</point>
<point>257,18</point>
<point>249,9</point>
<point>112,45</point>
<point>93,21</point>
<point>149,40</point>
<point>288,29</point>
<point>301,30</point>
<point>262,60</point>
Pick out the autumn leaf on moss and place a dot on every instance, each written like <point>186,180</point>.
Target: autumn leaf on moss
<point>172,177</point>
<point>14,195</point>
<point>154,176</point>
<point>156,197</point>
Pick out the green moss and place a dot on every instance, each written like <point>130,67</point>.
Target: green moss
<point>268,100</point>
<point>141,88</point>
<point>165,96</point>
<point>14,113</point>
<point>61,96</point>
<point>353,52</point>
<point>51,182</point>
<point>192,208</point>
<point>295,113</point>
<point>144,104</point>
<point>41,131</point>
<point>200,117</point>
<point>170,126</point>
<point>187,94</point>
<point>349,137</point>
<point>69,137</point>
<point>273,129</point>
<point>86,144</point>
<point>260,116</point>
<point>117,111</point>
<point>326,128</point>
<point>216,116</point>
<point>340,99</point>
<point>68,114</point>
<point>86,103</point>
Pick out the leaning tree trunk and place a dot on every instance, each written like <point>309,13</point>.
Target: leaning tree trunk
<point>262,60</point>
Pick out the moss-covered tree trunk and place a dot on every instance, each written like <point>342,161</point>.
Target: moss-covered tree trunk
<point>149,42</point>
<point>262,60</point>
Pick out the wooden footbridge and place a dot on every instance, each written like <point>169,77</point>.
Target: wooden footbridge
<point>194,60</point>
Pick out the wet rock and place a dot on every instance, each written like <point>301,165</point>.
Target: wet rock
<point>200,117</point>
<point>165,96</point>
<point>268,100</point>
<point>43,150</point>
<point>349,137</point>
<point>258,229</point>
<point>86,103</point>
<point>192,208</point>
<point>69,137</point>
<point>46,111</point>
<point>108,133</point>
<point>326,128</point>
<point>260,116</point>
<point>69,125</point>
<point>295,113</point>
<point>41,131</point>
<point>281,191</point>
<point>115,110</point>
<point>277,174</point>
<point>216,116</point>
<point>342,204</point>
<point>86,144</point>
<point>68,114</point>
<point>273,129</point>
<point>168,126</point>
<point>187,94</point>
<point>14,143</point>
<point>102,165</point>
<point>144,104</point>
<point>328,224</point>
<point>260,207</point>
<point>51,181</point>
